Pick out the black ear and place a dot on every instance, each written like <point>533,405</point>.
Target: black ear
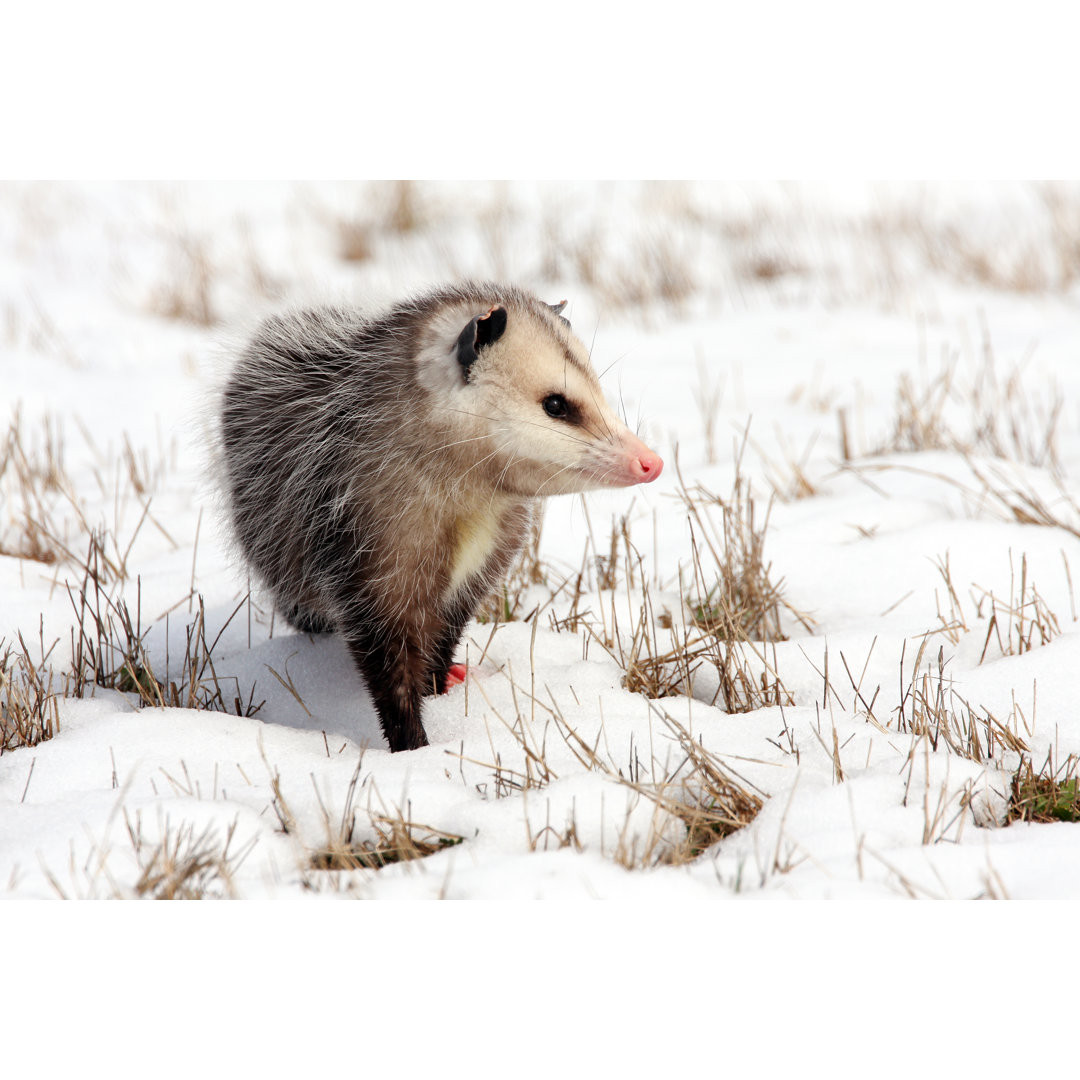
<point>479,332</point>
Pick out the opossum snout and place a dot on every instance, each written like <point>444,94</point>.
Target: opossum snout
<point>638,464</point>
<point>647,466</point>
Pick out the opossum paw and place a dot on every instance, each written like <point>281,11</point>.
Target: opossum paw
<point>455,675</point>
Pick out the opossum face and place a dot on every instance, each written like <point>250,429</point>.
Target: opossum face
<point>528,381</point>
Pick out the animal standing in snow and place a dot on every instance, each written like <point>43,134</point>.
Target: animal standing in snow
<point>380,473</point>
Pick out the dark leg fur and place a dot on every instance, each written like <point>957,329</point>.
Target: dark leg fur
<point>399,673</point>
<point>308,622</point>
<point>395,672</point>
<point>445,647</point>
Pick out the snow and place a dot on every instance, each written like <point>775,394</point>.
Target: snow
<point>853,803</point>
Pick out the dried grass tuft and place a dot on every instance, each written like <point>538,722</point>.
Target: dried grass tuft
<point>1049,794</point>
<point>185,864</point>
<point>393,836</point>
<point>397,839</point>
<point>931,708</point>
<point>1017,624</point>
<point>1006,415</point>
<point>29,707</point>
<point>185,291</point>
<point>697,800</point>
<point>700,792</point>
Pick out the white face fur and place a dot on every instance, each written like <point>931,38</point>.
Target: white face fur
<point>534,404</point>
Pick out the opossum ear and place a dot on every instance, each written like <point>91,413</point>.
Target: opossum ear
<point>556,309</point>
<point>490,327</point>
<point>480,331</point>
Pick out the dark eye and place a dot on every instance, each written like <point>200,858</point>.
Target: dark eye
<point>556,406</point>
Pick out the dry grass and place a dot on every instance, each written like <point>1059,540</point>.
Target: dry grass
<point>677,249</point>
<point>33,481</point>
<point>697,800</point>
<point>938,719</point>
<point>47,511</point>
<point>37,330</point>
<point>679,246</point>
<point>658,657</point>
<point>396,838</point>
<point>1018,500</point>
<point>733,597</point>
<point>381,211</point>
<point>1012,415</point>
<point>1016,625</point>
<point>646,251</point>
<point>392,837</point>
<point>1051,793</point>
<point>1008,492</point>
<point>789,478</point>
<point>702,793</point>
<point>207,275</point>
<point>52,525</point>
<point>182,863</point>
<point>1021,623</point>
<point>732,607</point>
<point>29,707</point>
<point>930,708</point>
<point>656,273</point>
<point>185,291</point>
<point>110,651</point>
<point>1042,256</point>
<point>185,864</point>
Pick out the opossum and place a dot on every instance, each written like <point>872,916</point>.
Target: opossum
<point>380,472</point>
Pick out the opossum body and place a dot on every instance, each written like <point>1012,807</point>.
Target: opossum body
<point>380,473</point>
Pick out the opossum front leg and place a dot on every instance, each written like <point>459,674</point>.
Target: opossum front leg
<point>394,669</point>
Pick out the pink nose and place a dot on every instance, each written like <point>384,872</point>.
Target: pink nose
<point>646,466</point>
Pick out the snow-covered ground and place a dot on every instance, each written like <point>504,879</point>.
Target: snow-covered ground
<point>895,371</point>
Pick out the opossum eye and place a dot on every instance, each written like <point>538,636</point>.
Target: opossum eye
<point>557,407</point>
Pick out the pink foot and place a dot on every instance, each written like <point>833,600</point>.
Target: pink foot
<point>456,675</point>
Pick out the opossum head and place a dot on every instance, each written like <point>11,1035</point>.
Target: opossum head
<point>538,422</point>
